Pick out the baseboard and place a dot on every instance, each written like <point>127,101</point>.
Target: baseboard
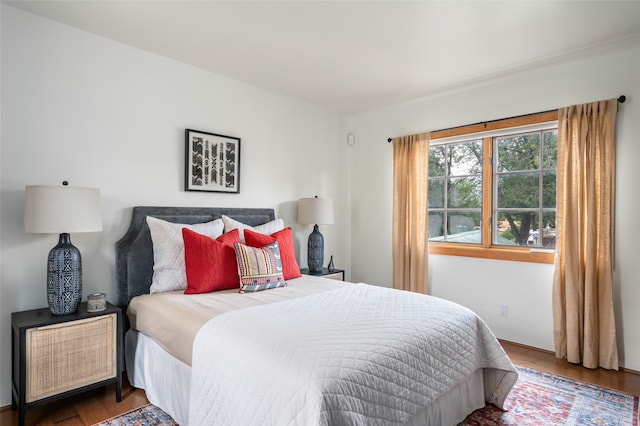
<point>531,348</point>
<point>548,352</point>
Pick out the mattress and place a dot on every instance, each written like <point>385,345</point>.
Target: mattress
<point>172,319</point>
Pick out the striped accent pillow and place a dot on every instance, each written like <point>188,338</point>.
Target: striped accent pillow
<point>259,268</point>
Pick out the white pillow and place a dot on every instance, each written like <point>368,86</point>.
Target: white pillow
<point>169,271</point>
<point>266,228</point>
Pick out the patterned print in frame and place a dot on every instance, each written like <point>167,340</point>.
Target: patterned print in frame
<point>212,162</point>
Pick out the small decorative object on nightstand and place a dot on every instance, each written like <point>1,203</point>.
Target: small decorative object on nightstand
<point>56,356</point>
<point>331,267</point>
<point>336,274</point>
<point>96,302</point>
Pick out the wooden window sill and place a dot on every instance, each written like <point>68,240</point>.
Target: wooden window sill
<point>498,253</point>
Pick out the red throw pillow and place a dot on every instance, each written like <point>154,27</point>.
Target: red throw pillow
<point>290,268</point>
<point>210,264</point>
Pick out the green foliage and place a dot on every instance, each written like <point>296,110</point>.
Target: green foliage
<point>437,160</point>
<point>518,190</point>
<point>520,224</point>
<point>436,193</point>
<point>518,153</point>
<point>508,234</point>
<point>465,192</point>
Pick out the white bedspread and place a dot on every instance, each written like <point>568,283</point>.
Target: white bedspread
<point>356,355</point>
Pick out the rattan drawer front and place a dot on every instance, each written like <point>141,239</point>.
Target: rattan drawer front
<point>70,355</point>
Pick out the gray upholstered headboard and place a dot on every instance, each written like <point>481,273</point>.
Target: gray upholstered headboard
<point>134,251</point>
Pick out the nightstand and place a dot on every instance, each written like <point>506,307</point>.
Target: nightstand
<point>336,274</point>
<point>55,356</point>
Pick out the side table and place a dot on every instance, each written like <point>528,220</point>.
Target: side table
<point>55,356</point>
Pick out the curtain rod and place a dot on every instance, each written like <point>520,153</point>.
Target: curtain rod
<point>621,99</point>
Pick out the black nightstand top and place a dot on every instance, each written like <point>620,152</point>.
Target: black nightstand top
<point>43,316</point>
<point>325,271</point>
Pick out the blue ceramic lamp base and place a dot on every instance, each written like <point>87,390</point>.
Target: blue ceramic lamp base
<point>315,251</point>
<point>64,277</point>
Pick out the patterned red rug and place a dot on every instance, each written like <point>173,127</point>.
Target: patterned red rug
<point>538,398</point>
<point>147,415</point>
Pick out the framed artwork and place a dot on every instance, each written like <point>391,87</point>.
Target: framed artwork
<point>212,162</point>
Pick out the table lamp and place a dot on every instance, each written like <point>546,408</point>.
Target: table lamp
<point>62,210</point>
<point>315,211</point>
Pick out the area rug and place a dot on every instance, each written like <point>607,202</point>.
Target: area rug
<point>147,415</point>
<point>538,398</point>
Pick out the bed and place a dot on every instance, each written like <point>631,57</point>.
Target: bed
<point>311,351</point>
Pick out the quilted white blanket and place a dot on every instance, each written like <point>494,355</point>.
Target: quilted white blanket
<point>356,355</point>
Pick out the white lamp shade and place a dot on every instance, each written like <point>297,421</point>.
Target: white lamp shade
<point>315,211</point>
<point>61,209</point>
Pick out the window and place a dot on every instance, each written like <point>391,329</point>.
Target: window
<point>455,192</point>
<point>492,189</point>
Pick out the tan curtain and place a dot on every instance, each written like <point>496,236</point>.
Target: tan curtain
<point>584,324</point>
<point>410,212</point>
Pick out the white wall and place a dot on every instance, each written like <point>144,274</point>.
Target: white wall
<point>484,284</point>
<point>95,112</point>
<point>99,113</point>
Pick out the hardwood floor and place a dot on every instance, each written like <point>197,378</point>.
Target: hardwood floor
<point>81,410</point>
<point>627,381</point>
<point>100,404</point>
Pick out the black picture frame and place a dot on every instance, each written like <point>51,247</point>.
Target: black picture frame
<point>212,162</point>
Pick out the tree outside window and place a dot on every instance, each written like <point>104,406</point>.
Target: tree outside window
<point>492,192</point>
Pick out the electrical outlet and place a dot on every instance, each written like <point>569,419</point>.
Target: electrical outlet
<point>503,310</point>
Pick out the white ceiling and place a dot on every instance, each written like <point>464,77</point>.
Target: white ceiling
<point>358,55</point>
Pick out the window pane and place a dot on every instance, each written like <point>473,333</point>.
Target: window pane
<point>465,158</point>
<point>517,228</point>
<point>521,152</point>
<point>550,150</point>
<point>437,160</point>
<point>464,192</point>
<point>436,225</point>
<point>549,190</point>
<point>436,193</point>
<point>549,230</point>
<point>464,227</point>
<point>448,195</point>
<point>518,190</point>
